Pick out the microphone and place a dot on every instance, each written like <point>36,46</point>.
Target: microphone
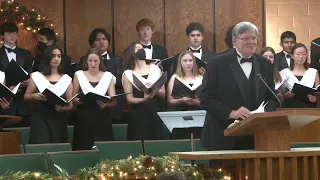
<point>264,82</point>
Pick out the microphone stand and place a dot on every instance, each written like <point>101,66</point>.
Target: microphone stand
<point>264,82</point>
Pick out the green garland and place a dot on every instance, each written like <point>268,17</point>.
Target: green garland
<point>27,176</point>
<point>142,167</point>
<point>31,20</point>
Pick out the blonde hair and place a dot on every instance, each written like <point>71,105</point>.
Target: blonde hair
<point>195,71</point>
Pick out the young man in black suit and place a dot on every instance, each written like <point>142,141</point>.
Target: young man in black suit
<point>288,40</point>
<point>47,37</point>
<point>315,54</point>
<point>231,89</point>
<point>99,38</point>
<point>10,52</point>
<point>145,29</point>
<point>195,32</point>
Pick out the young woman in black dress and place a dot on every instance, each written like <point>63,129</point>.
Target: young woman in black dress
<point>93,121</point>
<point>300,73</point>
<point>145,123</point>
<point>48,122</point>
<point>185,84</point>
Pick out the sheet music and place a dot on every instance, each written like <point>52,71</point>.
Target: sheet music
<point>260,109</point>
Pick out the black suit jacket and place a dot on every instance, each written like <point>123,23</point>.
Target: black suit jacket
<point>159,52</point>
<point>281,61</point>
<point>24,59</point>
<point>315,54</point>
<point>224,85</point>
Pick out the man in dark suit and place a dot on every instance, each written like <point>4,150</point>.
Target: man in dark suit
<point>231,89</point>
<point>195,32</point>
<point>145,29</point>
<point>47,37</point>
<point>315,54</point>
<point>10,52</point>
<point>99,38</point>
<point>287,41</point>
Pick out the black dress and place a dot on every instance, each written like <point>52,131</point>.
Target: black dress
<point>92,124</point>
<point>145,123</point>
<point>298,103</point>
<point>176,92</point>
<point>47,125</point>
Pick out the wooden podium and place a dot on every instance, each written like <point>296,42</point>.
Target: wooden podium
<point>271,130</point>
<point>9,141</point>
<point>272,159</point>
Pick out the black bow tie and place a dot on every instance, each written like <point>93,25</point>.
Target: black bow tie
<point>146,47</point>
<point>195,51</point>
<point>288,56</point>
<point>105,56</point>
<point>243,60</point>
<point>10,50</point>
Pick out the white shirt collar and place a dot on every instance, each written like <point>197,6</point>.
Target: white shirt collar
<point>285,53</point>
<point>9,46</point>
<point>200,47</point>
<point>106,52</point>
<point>145,44</point>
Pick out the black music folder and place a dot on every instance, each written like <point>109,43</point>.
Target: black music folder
<point>15,73</point>
<point>302,91</point>
<point>92,97</point>
<point>53,99</point>
<point>181,90</point>
<point>200,63</point>
<point>7,93</point>
<point>153,87</point>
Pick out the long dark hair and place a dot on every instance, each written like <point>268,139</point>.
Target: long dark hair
<point>95,51</point>
<point>129,57</point>
<point>296,46</point>
<point>276,74</point>
<point>45,67</point>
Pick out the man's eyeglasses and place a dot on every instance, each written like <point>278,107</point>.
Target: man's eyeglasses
<point>253,38</point>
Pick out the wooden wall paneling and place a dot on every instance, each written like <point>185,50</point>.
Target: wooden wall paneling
<point>282,171</point>
<point>49,8</point>
<point>294,168</point>
<point>231,12</point>
<point>179,13</point>
<point>82,16</point>
<point>269,169</point>
<point>314,168</point>
<point>126,15</point>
